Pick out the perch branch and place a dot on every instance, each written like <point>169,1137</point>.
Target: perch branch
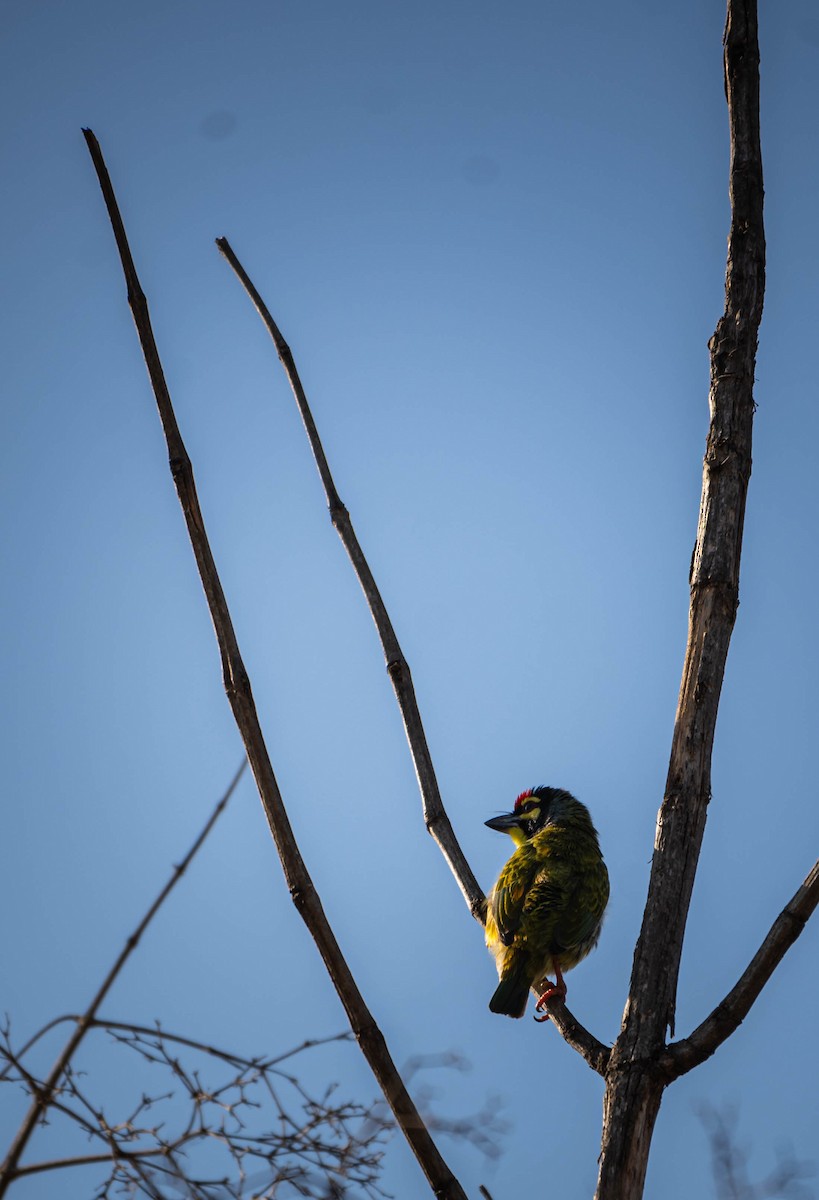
<point>237,687</point>
<point>730,1013</point>
<point>595,1053</point>
<point>43,1095</point>
<point>435,817</point>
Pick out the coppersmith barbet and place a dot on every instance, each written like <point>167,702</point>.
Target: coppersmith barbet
<point>545,912</point>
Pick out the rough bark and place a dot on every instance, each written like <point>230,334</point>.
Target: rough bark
<point>634,1079</point>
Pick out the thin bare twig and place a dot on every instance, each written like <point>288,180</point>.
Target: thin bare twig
<point>237,687</point>
<point>226,1055</point>
<point>44,1094</point>
<point>87,1160</point>
<point>32,1041</point>
<point>730,1013</point>
<point>435,816</point>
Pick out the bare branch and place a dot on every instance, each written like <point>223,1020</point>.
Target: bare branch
<point>731,1012</point>
<point>86,1160</point>
<point>237,687</point>
<point>44,1094</point>
<point>435,817</point>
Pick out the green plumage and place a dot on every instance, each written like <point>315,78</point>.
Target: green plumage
<point>545,912</point>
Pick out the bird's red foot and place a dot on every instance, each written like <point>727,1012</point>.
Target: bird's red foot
<point>552,989</point>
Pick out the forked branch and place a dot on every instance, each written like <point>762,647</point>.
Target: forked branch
<point>237,687</point>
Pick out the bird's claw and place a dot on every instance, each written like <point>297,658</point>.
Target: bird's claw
<point>552,989</point>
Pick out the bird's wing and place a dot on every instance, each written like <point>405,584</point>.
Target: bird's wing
<point>581,909</point>
<point>511,891</point>
<point>579,919</point>
<point>547,899</point>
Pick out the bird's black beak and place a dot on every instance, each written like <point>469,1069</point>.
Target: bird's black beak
<point>504,822</point>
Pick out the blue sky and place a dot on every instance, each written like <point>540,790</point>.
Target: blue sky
<point>495,240</point>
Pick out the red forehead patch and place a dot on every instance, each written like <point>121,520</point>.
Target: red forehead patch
<point>523,796</point>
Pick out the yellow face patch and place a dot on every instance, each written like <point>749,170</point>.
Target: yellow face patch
<point>530,811</point>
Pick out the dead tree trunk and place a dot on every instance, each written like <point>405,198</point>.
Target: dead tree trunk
<point>635,1078</point>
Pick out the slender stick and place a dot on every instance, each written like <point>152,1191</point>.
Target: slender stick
<point>237,687</point>
<point>35,1037</point>
<point>156,1031</point>
<point>44,1095</point>
<point>435,816</point>
<point>731,1012</point>
<point>634,1084</point>
<point>85,1160</point>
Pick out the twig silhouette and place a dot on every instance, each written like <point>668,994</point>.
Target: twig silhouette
<point>43,1093</point>
<point>268,1126</point>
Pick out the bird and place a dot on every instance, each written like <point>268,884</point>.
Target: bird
<point>545,912</point>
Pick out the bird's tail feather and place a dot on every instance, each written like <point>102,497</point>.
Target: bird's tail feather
<point>512,992</point>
